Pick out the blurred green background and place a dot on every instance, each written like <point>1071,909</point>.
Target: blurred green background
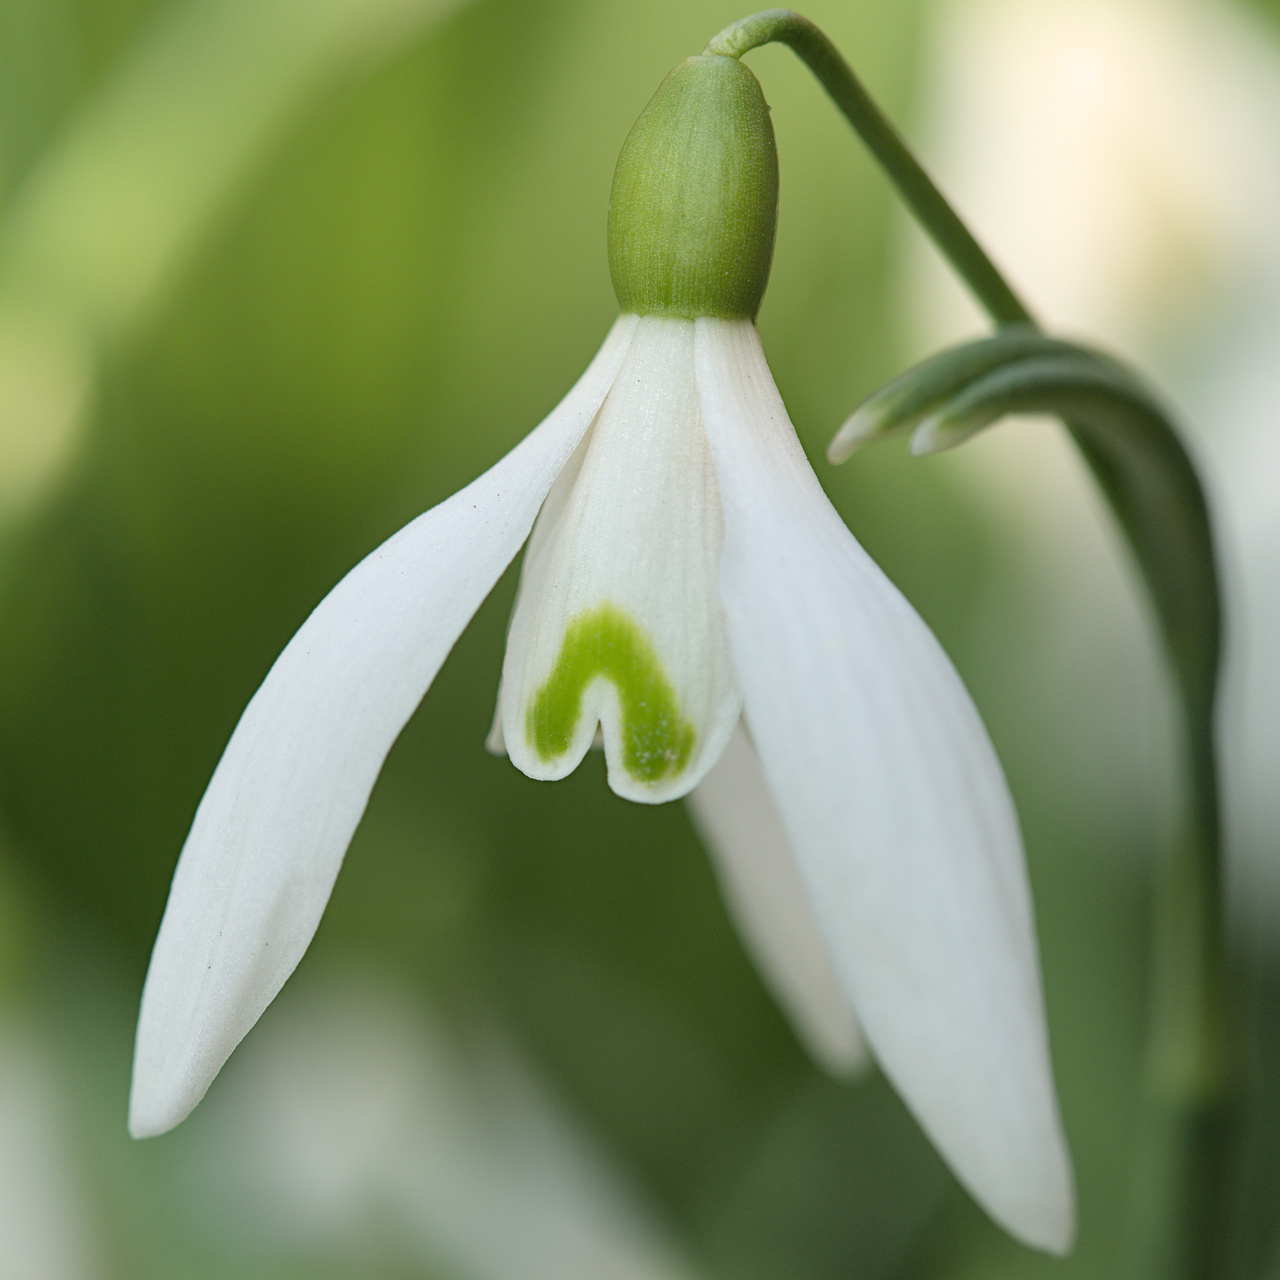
<point>276,276</point>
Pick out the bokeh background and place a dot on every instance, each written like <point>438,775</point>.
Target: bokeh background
<point>275,276</point>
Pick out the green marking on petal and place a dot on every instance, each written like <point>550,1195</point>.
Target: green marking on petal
<point>656,739</point>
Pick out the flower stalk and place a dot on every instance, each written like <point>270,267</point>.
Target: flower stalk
<point>815,50</point>
<point>1191,1071</point>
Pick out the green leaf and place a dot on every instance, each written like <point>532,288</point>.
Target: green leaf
<point>902,403</point>
<point>1054,374</point>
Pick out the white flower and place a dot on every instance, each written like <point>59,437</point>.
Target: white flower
<point>686,569</point>
<point>686,574</point>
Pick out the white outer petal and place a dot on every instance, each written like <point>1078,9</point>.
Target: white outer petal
<point>740,825</point>
<point>894,803</point>
<point>269,836</point>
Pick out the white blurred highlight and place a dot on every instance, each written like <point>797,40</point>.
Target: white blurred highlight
<point>44,1233</point>
<point>1121,160</point>
<point>354,1114</point>
<point>1117,157</point>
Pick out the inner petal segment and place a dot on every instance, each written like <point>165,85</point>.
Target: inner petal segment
<point>618,621</point>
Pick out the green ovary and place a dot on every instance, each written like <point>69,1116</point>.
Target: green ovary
<point>605,642</point>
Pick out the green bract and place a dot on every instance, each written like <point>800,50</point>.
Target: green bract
<point>694,205</point>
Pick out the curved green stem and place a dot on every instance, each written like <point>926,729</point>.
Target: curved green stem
<point>1192,1073</point>
<point>782,26</point>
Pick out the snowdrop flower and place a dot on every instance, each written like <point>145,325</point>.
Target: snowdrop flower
<point>685,574</point>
